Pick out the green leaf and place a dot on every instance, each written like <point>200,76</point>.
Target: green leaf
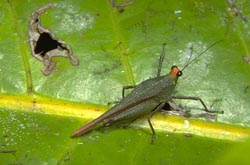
<point>38,113</point>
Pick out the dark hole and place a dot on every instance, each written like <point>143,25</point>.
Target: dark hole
<point>166,107</point>
<point>45,43</point>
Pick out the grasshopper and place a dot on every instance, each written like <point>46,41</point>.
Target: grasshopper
<point>147,98</point>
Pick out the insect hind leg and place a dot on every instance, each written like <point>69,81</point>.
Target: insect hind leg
<point>197,99</point>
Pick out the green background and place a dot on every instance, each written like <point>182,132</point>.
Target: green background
<point>35,126</point>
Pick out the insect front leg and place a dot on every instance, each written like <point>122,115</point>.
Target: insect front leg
<point>198,99</point>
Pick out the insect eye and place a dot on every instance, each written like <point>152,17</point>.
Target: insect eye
<point>179,74</point>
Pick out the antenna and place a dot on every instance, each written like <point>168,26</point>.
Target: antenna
<point>161,60</point>
<point>189,62</point>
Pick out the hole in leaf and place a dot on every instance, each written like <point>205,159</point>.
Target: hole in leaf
<point>45,43</point>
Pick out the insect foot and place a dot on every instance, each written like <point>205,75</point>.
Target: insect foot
<point>44,44</point>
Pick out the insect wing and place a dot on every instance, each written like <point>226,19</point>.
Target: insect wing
<point>141,101</point>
